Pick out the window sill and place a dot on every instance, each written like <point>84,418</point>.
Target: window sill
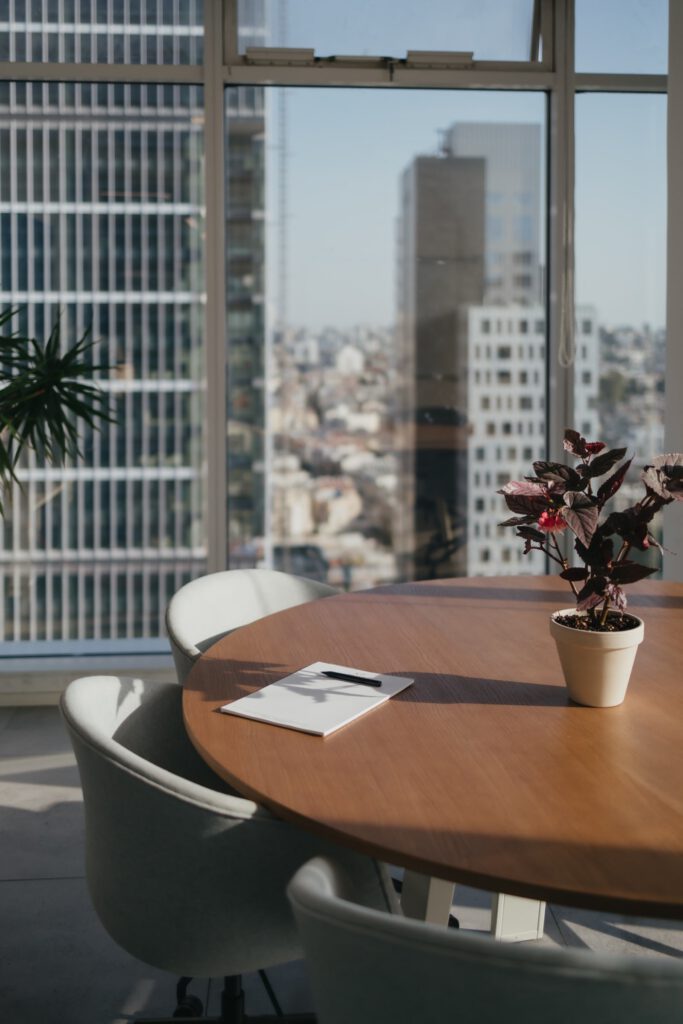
<point>35,674</point>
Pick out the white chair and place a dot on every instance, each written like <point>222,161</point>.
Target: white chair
<point>184,876</point>
<point>369,966</point>
<point>210,607</point>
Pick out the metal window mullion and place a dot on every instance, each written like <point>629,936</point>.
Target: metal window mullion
<point>595,82</point>
<point>489,77</point>
<point>96,597</point>
<point>130,597</point>
<point>560,247</point>
<point>214,269</point>
<point>32,71</point>
<point>546,29</point>
<point>31,524</point>
<point>49,603</point>
<point>14,226</point>
<point>16,583</point>
<point>230,32</point>
<point>673,408</point>
<point>30,214</point>
<point>64,602</point>
<point>80,600</point>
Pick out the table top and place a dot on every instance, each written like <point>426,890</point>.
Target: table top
<point>482,772</point>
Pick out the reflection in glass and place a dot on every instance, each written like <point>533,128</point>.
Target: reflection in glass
<point>621,272</point>
<point>406,332</point>
<point>496,30</point>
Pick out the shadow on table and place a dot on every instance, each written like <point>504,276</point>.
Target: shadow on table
<point>453,689</point>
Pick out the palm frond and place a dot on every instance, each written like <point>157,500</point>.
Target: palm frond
<point>44,395</point>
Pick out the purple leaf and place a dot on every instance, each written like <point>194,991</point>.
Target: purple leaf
<point>616,596</point>
<point>630,572</point>
<point>529,487</point>
<point>519,521</point>
<point>558,473</point>
<point>575,574</point>
<point>592,594</point>
<point>581,515</point>
<point>525,498</point>
<point>613,483</point>
<point>531,534</point>
<point>665,476</point>
<point>603,463</point>
<point>579,446</point>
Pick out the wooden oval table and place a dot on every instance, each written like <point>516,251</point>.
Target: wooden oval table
<point>482,771</point>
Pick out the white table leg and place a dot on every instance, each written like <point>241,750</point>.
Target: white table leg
<point>428,899</point>
<point>515,919</point>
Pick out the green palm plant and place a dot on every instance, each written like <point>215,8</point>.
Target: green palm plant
<point>44,396</point>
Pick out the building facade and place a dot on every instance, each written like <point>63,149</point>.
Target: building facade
<point>473,343</point>
<point>101,224</point>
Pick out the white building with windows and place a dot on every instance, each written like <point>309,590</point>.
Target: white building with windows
<point>507,418</point>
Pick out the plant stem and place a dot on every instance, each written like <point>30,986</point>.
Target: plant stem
<point>603,614</point>
<point>563,562</point>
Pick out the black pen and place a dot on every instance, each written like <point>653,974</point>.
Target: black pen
<point>348,678</point>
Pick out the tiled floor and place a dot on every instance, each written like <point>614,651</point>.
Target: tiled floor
<point>58,966</point>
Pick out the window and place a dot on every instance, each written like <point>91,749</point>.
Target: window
<point>102,204</point>
<point>620,363</point>
<point>367,30</point>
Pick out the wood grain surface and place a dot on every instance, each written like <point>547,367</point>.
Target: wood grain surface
<point>481,772</point>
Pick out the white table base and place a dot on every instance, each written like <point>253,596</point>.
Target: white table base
<point>513,918</point>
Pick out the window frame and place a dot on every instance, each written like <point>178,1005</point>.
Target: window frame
<point>554,74</point>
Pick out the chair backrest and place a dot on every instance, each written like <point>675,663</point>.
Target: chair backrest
<point>368,966</point>
<point>183,875</point>
<point>208,608</point>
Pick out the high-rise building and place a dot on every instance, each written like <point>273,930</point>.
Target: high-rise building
<point>473,341</point>
<point>506,414</point>
<point>512,155</point>
<point>101,223</point>
<point>441,272</point>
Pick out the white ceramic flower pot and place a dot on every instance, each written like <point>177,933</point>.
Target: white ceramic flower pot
<point>597,666</point>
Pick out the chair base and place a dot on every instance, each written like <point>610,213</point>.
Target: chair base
<point>270,1018</point>
<point>232,1007</point>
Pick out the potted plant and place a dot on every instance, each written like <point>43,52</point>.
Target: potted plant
<point>44,393</point>
<point>597,639</point>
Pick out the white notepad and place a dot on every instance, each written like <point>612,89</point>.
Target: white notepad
<point>312,702</point>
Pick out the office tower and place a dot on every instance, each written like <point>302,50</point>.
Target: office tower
<point>506,414</point>
<point>475,349</point>
<point>512,155</point>
<point>101,221</point>
<point>441,272</point>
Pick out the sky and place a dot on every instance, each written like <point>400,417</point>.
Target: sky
<point>346,149</point>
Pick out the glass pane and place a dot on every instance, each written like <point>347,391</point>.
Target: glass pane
<point>101,222</point>
<point>102,32</point>
<point>491,29</point>
<point>405,333</point>
<point>245,267</point>
<point>622,36</point>
<point>621,274</point>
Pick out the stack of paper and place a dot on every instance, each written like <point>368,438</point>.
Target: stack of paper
<point>313,702</point>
